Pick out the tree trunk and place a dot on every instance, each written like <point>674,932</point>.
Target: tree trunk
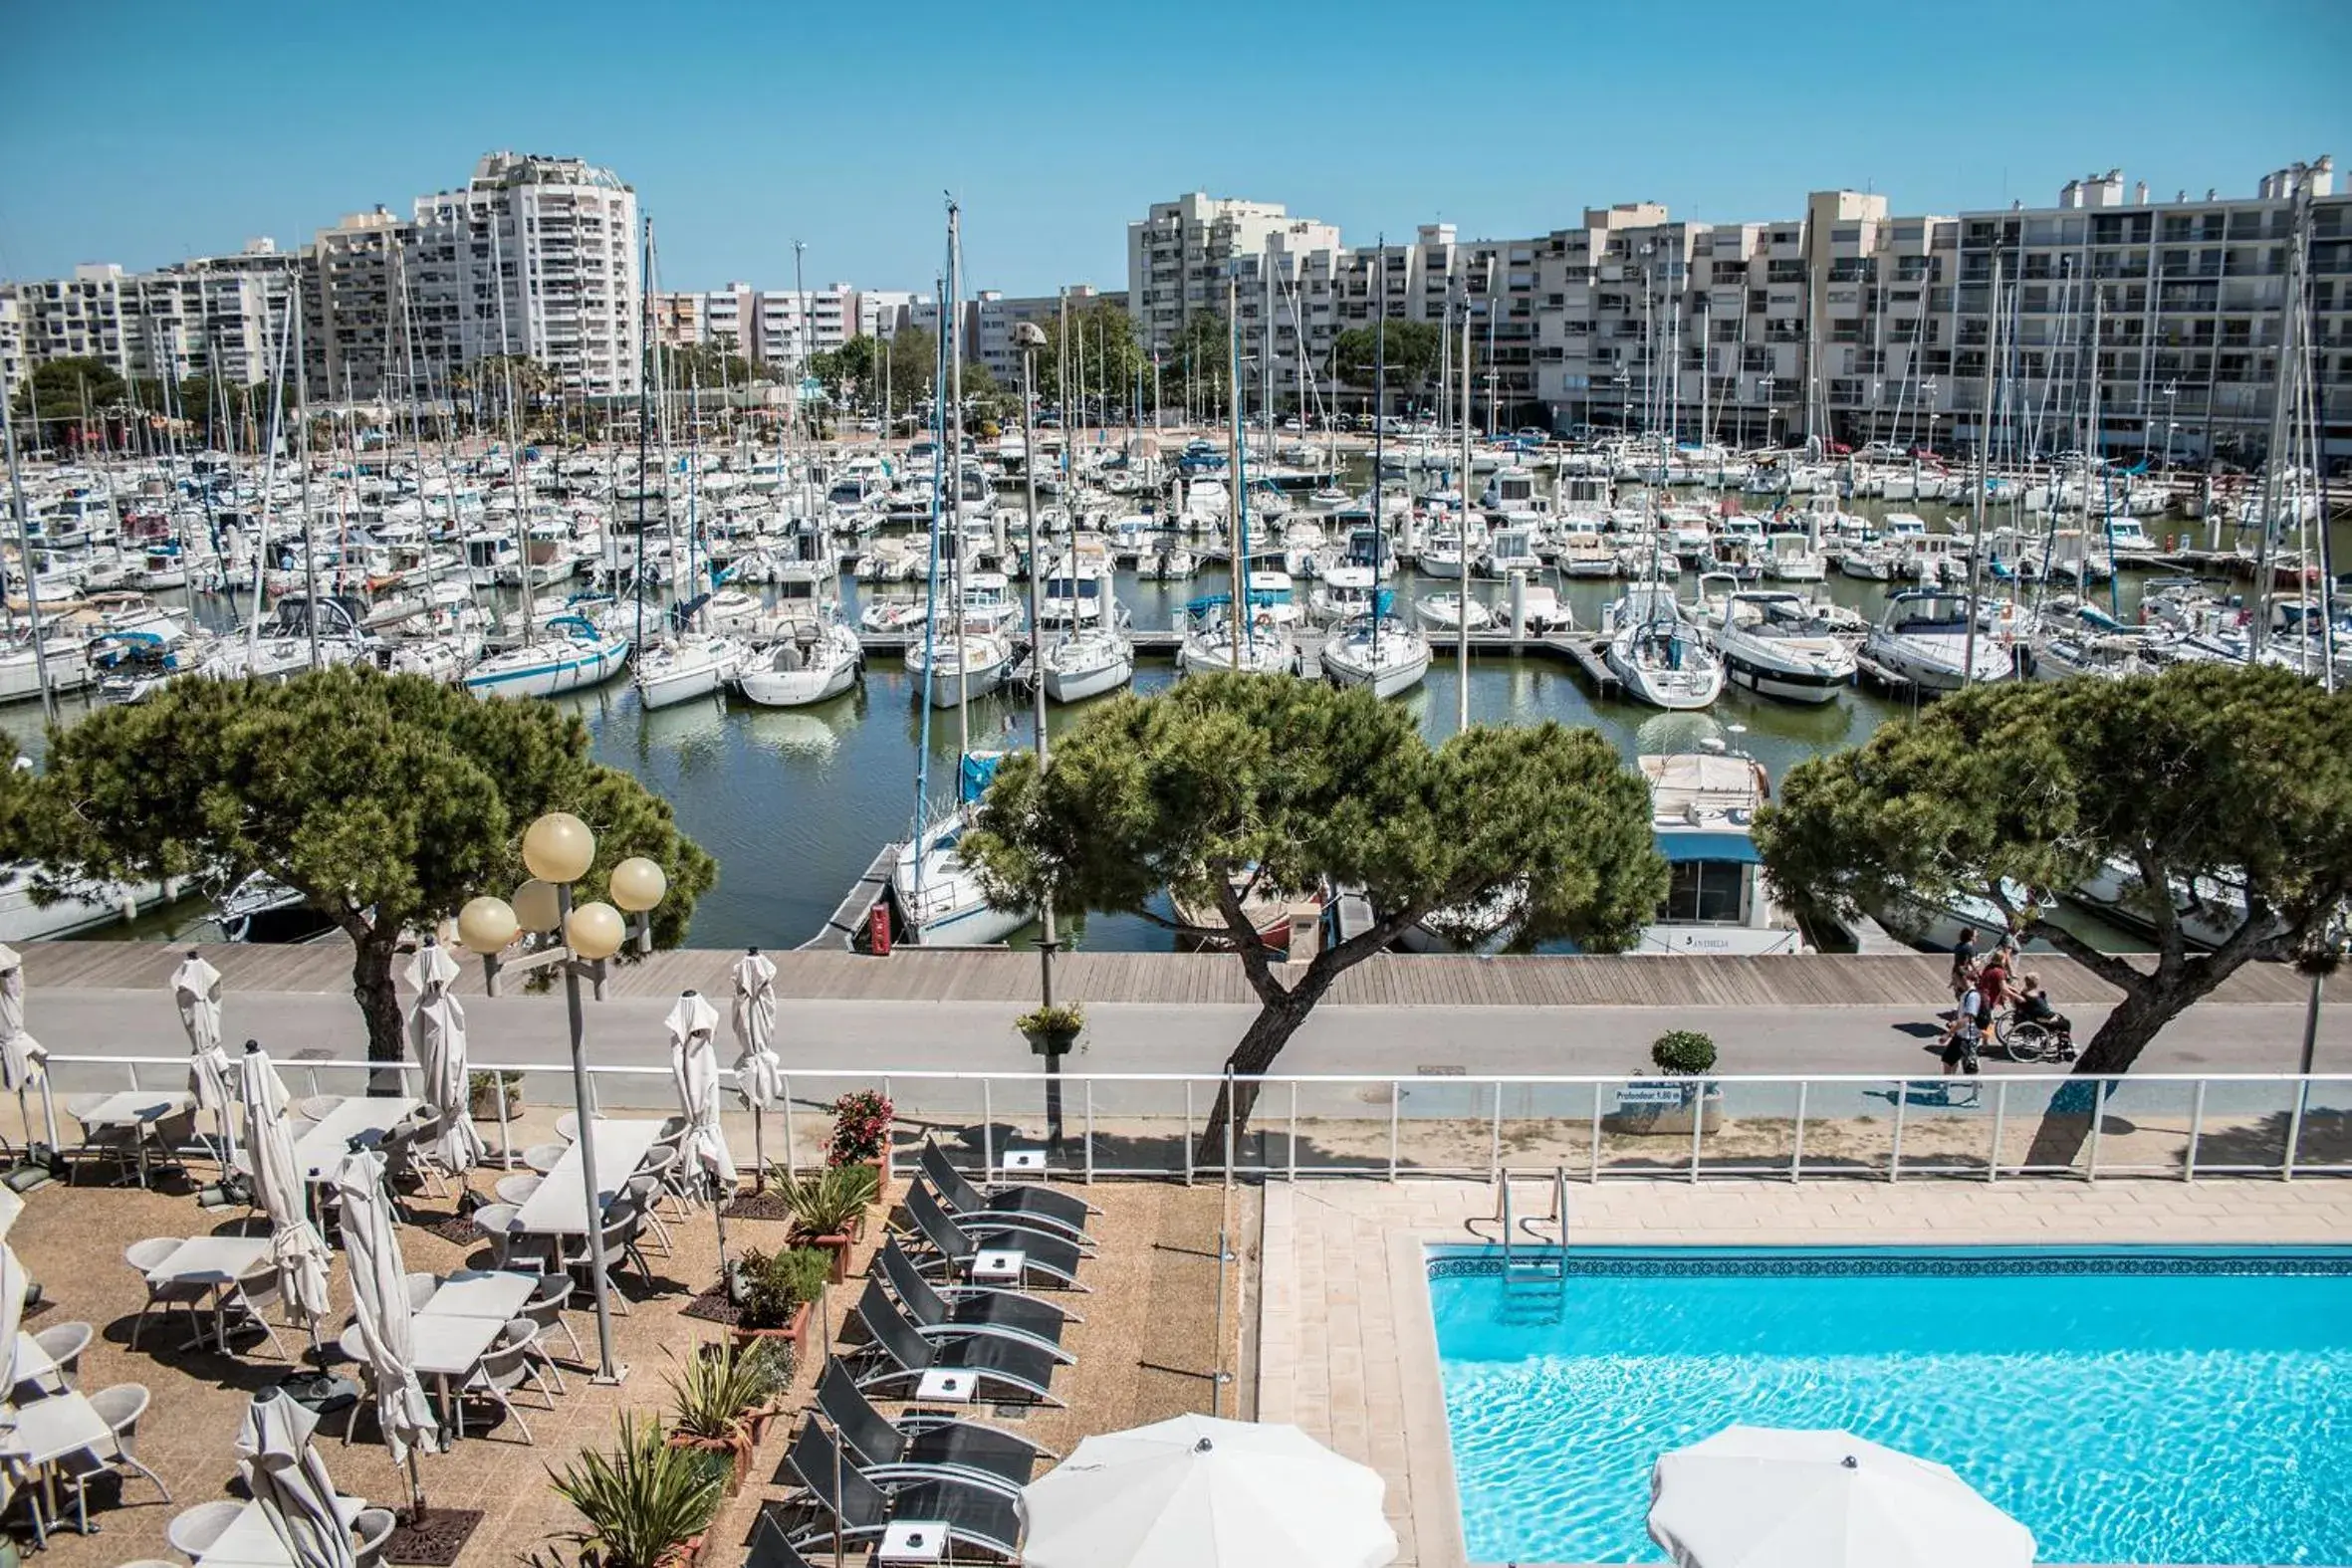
<point>2066,1124</point>
<point>379,1005</point>
<point>1268,1034</point>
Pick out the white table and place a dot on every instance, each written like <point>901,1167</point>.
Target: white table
<point>446,1345</point>
<point>250,1542</point>
<point>1000,1267</point>
<point>136,1109</point>
<point>211,1261</point>
<point>913,1541</point>
<point>946,1386</point>
<point>1022,1161</point>
<point>560,1206</point>
<point>47,1430</point>
<point>479,1293</point>
<point>319,1153</point>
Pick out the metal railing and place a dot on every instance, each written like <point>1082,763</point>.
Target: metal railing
<point>1601,1127</point>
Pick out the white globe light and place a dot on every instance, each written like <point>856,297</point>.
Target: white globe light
<point>594,931</point>
<point>486,925</point>
<point>535,908</point>
<point>638,884</point>
<point>558,847</point>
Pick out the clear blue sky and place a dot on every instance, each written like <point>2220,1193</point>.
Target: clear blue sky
<point>143,132</point>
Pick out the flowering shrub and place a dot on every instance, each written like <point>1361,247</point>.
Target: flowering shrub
<point>862,1127</point>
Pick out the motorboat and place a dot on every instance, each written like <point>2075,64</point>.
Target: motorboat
<point>969,664</point>
<point>1344,594</point>
<point>896,613</point>
<point>1448,612</point>
<point>1777,644</point>
<point>811,660</point>
<point>1378,650</point>
<point>263,909</point>
<point>572,655</point>
<point>1924,637</point>
<point>62,659</point>
<point>1086,662</point>
<point>690,665</point>
<point>1270,912</point>
<point>1702,806</point>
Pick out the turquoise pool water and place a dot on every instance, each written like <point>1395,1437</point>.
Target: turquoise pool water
<point>2129,1405</point>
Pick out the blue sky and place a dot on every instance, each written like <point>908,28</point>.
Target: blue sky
<point>152,131</point>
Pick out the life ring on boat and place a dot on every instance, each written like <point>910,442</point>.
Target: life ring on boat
<point>1264,620</point>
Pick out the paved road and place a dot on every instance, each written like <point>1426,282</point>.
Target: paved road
<point>1178,1039</point>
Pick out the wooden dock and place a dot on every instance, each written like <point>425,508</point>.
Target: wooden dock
<point>849,918</point>
<point>1780,982</point>
<point>1582,649</point>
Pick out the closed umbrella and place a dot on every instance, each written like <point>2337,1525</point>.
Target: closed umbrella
<point>379,1287</point>
<point>195,989</point>
<point>24,1060</point>
<point>289,1484</point>
<point>1767,1497</point>
<point>436,1030</point>
<point>14,1282</point>
<point>1200,1493</point>
<point>295,1246</point>
<point>694,1067</point>
<point>759,1072</point>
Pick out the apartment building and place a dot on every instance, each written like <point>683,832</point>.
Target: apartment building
<point>1180,254</point>
<point>994,315</point>
<point>534,256</point>
<point>678,319</point>
<point>14,366</point>
<point>358,343</point>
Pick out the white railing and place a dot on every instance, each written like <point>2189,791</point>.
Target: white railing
<point>1598,1127</point>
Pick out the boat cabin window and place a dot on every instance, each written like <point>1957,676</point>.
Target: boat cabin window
<point>1705,892</point>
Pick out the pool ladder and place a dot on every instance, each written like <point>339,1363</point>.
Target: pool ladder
<point>1534,1279</point>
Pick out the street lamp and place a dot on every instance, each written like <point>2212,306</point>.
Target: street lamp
<point>1028,337</point>
<point>558,851</point>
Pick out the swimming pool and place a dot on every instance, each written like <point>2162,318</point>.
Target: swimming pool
<point>2131,1405</point>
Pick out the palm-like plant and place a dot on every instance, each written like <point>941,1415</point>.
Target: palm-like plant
<point>643,1501</point>
<point>824,1203</point>
<point>717,1388</point>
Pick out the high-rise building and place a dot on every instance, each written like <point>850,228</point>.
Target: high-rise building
<point>1180,254</point>
<point>358,329</point>
<point>534,256</point>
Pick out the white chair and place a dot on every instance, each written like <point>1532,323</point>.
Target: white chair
<point>422,1286</point>
<point>120,1406</point>
<point>510,1362</point>
<point>517,1190</point>
<point>373,1526</point>
<point>510,1245</point>
<point>246,1296</point>
<point>544,1157</point>
<point>192,1531</point>
<point>643,1191</point>
<point>568,1126</point>
<point>356,1353</point>
<point>544,1310</point>
<point>63,1343</point>
<point>148,1254</point>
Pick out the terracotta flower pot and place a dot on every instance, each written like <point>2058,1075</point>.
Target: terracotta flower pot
<point>795,1333</point>
<point>738,1449</point>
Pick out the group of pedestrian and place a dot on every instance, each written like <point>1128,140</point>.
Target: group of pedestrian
<point>1982,988</point>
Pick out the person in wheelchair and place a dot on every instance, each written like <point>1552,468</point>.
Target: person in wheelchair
<point>2032,1004</point>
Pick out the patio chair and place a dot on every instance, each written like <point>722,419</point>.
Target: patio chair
<point>975,1516</point>
<point>349,1344</point>
<point>411,1152</point>
<point>120,1408</point>
<point>544,1308</point>
<point>905,1354</point>
<point>63,1343</point>
<point>421,1286</point>
<point>1019,1208</point>
<point>976,1311</point>
<point>169,1136</point>
<point>243,1298</point>
<point>995,1458</point>
<point>148,1254</point>
<point>666,1163</point>
<point>505,1367</point>
<point>510,1245</point>
<point>643,1191</point>
<point>956,1243</point>
<point>517,1190</point>
<point>373,1527</point>
<point>192,1531</point>
<point>544,1157</point>
<point>618,1245</point>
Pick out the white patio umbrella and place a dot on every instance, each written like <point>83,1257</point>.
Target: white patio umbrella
<point>759,1072</point>
<point>436,1030</point>
<point>289,1480</point>
<point>1199,1492</point>
<point>1768,1498</point>
<point>24,1060</point>
<point>694,1068</point>
<point>14,1282</point>
<point>295,1246</point>
<point>195,989</point>
<point>380,1289</point>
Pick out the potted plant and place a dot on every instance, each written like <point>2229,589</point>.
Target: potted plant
<point>777,1289</point>
<point>861,1129</point>
<point>828,1209</point>
<point>646,1504</point>
<point>724,1395</point>
<point>486,1089</point>
<point>1052,1029</point>
<point>1688,1055</point>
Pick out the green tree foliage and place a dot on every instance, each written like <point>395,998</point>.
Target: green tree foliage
<point>52,403</point>
<point>851,374</point>
<point>1101,350</point>
<point>706,365</point>
<point>2209,773</point>
<point>1202,353</point>
<point>385,801</point>
<point>1226,786</point>
<point>1412,350</point>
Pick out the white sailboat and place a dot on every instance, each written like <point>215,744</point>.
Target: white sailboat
<point>1659,655</point>
<point>1086,663</point>
<point>970,663</point>
<point>572,655</point>
<point>682,668</point>
<point>815,661</point>
<point>1379,650</point>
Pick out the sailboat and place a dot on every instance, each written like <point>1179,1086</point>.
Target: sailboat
<point>570,655</point>
<point>1380,650</point>
<point>1657,655</point>
<point>810,654</point>
<point>1227,632</point>
<point>1090,658</point>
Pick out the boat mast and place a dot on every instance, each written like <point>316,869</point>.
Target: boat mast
<point>24,561</point>
<point>506,365</point>
<point>1968,652</point>
<point>2290,315</point>
<point>1239,530</point>
<point>302,447</point>
<point>1462,598</point>
<point>954,342</point>
<point>1379,431</point>
<point>644,435</point>
<point>268,486</point>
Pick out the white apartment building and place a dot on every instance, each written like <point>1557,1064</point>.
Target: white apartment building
<point>14,366</point>
<point>994,315</point>
<point>1180,254</point>
<point>358,330</point>
<point>534,256</point>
